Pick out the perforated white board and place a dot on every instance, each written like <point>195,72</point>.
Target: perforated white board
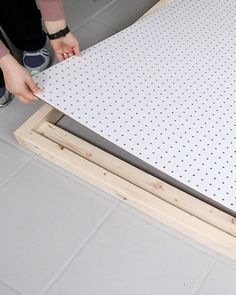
<point>164,90</point>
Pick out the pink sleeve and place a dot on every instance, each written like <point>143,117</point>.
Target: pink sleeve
<point>3,49</point>
<point>51,10</point>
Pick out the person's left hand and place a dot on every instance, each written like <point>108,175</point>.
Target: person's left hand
<point>66,47</point>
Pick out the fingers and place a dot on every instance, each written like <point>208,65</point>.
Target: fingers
<point>64,52</point>
<point>23,100</point>
<point>60,56</point>
<point>77,50</point>
<point>26,95</point>
<point>71,52</point>
<point>19,82</point>
<point>67,52</point>
<point>66,47</point>
<point>33,87</point>
<point>66,55</point>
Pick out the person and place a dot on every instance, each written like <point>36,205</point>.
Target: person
<point>21,23</point>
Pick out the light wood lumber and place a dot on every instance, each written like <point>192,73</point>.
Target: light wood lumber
<point>159,5</point>
<point>45,113</point>
<point>140,178</point>
<point>138,198</point>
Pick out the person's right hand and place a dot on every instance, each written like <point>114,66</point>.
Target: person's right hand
<point>18,81</point>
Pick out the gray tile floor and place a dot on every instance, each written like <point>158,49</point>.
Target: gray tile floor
<point>61,236</point>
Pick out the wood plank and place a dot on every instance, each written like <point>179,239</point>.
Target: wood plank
<point>140,178</point>
<point>45,113</point>
<point>159,5</point>
<point>140,199</point>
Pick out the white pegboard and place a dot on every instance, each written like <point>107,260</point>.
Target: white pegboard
<point>164,90</point>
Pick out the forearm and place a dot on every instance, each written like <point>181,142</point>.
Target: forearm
<point>51,10</point>
<point>53,15</point>
<point>55,26</point>
<point>8,62</point>
<point>3,50</point>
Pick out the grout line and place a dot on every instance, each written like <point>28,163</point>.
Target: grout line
<point>168,230</point>
<point>94,15</point>
<point>107,25</point>
<point>14,174</point>
<point>197,288</point>
<point>11,288</point>
<point>138,214</point>
<point>104,8</point>
<point>18,147</point>
<point>80,249</point>
<point>220,258</point>
<point>76,179</point>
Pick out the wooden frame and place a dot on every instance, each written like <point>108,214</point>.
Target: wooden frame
<point>178,210</point>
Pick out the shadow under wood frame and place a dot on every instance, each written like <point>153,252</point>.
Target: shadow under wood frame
<point>167,204</point>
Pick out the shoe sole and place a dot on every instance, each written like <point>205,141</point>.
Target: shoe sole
<point>7,102</point>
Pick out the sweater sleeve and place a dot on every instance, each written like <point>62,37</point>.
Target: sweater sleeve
<point>3,49</point>
<point>51,10</point>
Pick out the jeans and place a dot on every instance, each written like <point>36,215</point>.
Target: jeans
<point>21,22</point>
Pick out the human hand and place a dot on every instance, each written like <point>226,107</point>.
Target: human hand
<point>17,79</point>
<point>66,47</point>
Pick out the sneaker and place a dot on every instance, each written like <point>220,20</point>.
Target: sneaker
<point>5,97</point>
<point>36,61</point>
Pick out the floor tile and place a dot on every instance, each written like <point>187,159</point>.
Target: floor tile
<point>86,9</point>
<point>129,256</point>
<point>225,260</point>
<point>220,281</point>
<point>11,161</point>
<point>92,33</point>
<point>73,19</point>
<point>44,220</point>
<point>124,13</point>
<point>4,290</point>
<point>12,116</point>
